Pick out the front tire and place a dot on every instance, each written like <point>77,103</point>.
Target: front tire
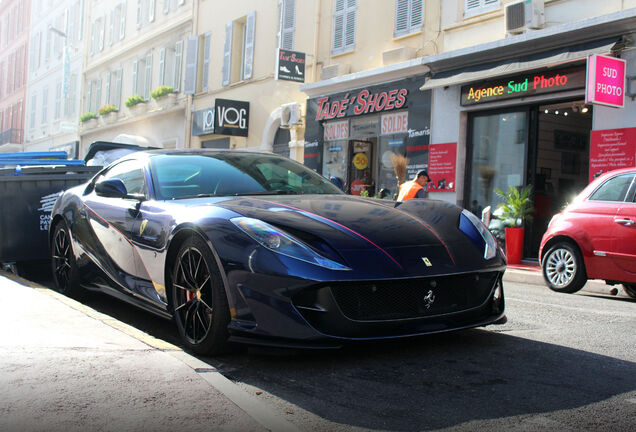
<point>630,290</point>
<point>63,265</point>
<point>564,268</point>
<point>199,304</point>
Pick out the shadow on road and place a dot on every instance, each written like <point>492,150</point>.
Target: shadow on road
<point>421,383</point>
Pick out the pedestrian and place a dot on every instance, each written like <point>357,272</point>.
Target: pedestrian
<point>416,188</point>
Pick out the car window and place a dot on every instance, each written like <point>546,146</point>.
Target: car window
<point>613,189</point>
<point>226,174</point>
<point>131,174</point>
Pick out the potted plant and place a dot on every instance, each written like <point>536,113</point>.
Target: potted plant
<point>164,96</point>
<point>88,119</point>
<point>136,104</point>
<point>515,209</point>
<point>108,113</point>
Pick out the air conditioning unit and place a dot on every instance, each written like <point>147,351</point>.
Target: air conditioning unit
<point>290,115</point>
<point>527,14</point>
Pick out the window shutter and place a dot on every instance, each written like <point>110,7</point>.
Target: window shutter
<point>107,89</point>
<point>472,4</point>
<point>248,59</point>
<point>148,77</point>
<point>45,102</point>
<point>401,16</point>
<point>162,66</point>
<point>206,61</point>
<point>89,96</point>
<point>192,55</point>
<point>102,34</point>
<point>338,26</point>
<point>122,25</point>
<point>350,24</point>
<point>166,6</point>
<point>178,58</point>
<point>227,53</point>
<point>111,28</point>
<point>117,98</point>
<point>151,10</point>
<point>92,46</point>
<point>58,100</point>
<point>34,100</point>
<point>181,2</point>
<point>416,15</point>
<point>134,77</point>
<point>288,24</point>
<point>98,93</point>
<point>139,10</point>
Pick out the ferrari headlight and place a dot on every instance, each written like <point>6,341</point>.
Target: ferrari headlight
<point>486,240</point>
<point>280,242</point>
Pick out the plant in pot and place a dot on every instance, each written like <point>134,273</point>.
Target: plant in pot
<point>135,102</point>
<point>108,113</point>
<point>89,119</point>
<point>515,209</point>
<point>164,95</point>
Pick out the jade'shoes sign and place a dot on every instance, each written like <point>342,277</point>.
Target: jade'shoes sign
<point>605,81</point>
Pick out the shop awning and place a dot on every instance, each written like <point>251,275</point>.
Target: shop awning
<point>514,66</point>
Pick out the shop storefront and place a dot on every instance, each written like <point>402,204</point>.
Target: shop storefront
<point>352,135</point>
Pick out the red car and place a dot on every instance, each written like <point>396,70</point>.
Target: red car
<point>594,237</point>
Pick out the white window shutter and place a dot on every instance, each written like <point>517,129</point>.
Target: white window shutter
<point>58,101</point>
<point>117,98</point>
<point>178,59</point>
<point>166,6</point>
<point>162,66</point>
<point>111,28</point>
<point>107,89</point>
<point>248,59</point>
<point>148,77</point>
<point>151,10</point>
<point>206,61</point>
<point>181,2</point>
<point>227,54</point>
<point>288,24</point>
<point>192,55</point>
<point>98,93</point>
<point>89,96</point>
<point>134,77</point>
<point>92,46</point>
<point>122,22</point>
<point>139,13</point>
<point>102,33</point>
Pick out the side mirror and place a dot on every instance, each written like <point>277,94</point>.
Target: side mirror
<point>111,188</point>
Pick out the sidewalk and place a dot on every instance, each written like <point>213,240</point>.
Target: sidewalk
<point>65,367</point>
<point>527,273</point>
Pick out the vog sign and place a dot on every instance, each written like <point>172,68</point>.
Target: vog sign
<point>232,117</point>
<point>605,81</point>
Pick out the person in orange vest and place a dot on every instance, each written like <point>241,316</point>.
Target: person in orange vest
<point>416,188</point>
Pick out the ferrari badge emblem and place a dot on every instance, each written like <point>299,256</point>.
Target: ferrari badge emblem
<point>429,299</point>
<point>142,227</point>
<point>427,262</point>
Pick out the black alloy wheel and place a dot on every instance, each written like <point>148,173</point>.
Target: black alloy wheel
<point>65,273</point>
<point>198,299</point>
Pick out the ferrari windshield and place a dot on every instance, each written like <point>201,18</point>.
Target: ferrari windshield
<point>190,175</point>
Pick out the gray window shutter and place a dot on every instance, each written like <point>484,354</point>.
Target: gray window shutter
<point>206,61</point>
<point>117,98</point>
<point>192,55</point>
<point>178,58</point>
<point>134,77</point>
<point>98,93</point>
<point>107,89</point>
<point>102,34</point>
<point>111,28</point>
<point>338,26</point>
<point>401,17</point>
<point>151,10</point>
<point>287,24</point>
<point>248,59</point>
<point>148,77</point>
<point>416,15</point>
<point>162,66</point>
<point>350,24</point>
<point>122,25</point>
<point>227,54</point>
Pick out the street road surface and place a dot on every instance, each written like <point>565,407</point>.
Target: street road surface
<point>562,362</point>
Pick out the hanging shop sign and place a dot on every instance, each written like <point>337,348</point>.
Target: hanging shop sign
<point>611,149</point>
<point>232,117</point>
<point>442,164</point>
<point>550,81</point>
<point>605,81</point>
<point>394,123</point>
<point>203,122</point>
<point>290,66</point>
<point>336,130</point>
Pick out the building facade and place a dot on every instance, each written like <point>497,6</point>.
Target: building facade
<point>54,80</point>
<point>14,51</point>
<point>131,49</point>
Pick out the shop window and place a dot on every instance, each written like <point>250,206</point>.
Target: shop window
<point>409,16</point>
<point>344,26</point>
<point>238,52</point>
<point>281,142</point>
<point>476,7</point>
<point>286,23</point>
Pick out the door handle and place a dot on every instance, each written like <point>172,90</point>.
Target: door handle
<point>626,222</point>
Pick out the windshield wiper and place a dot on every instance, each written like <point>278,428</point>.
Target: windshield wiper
<point>205,195</point>
<point>270,192</point>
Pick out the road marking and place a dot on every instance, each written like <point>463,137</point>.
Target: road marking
<point>258,410</point>
<point>577,309</point>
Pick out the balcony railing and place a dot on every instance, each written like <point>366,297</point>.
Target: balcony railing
<point>11,136</point>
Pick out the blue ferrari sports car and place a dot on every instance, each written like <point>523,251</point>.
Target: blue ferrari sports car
<point>256,248</point>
